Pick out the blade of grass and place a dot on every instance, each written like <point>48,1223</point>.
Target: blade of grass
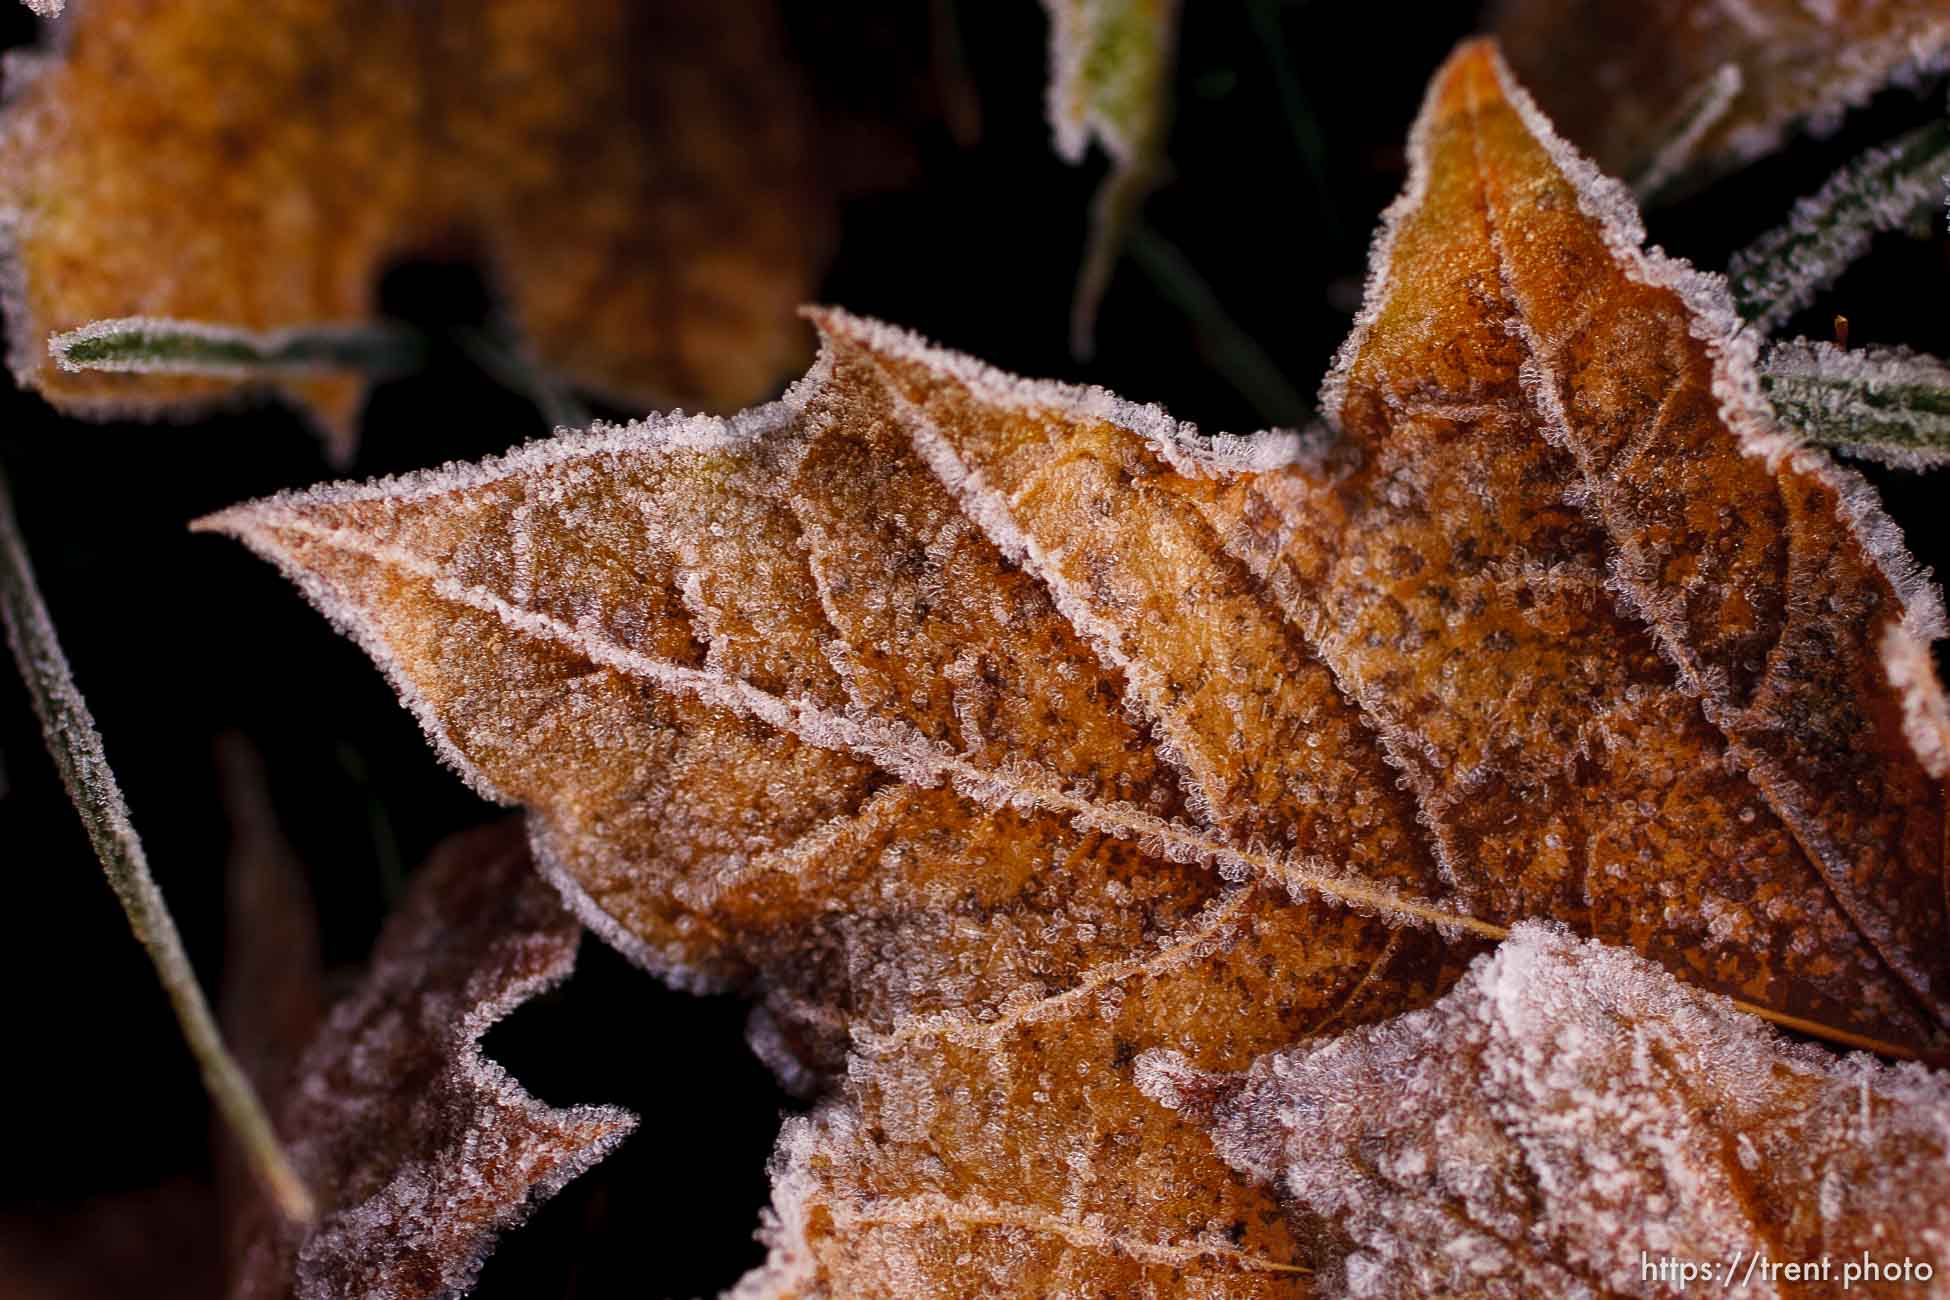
<point>1113,213</point>
<point>1885,404</point>
<point>77,749</point>
<point>1112,68</point>
<point>1696,115</point>
<point>1899,184</point>
<point>155,345</point>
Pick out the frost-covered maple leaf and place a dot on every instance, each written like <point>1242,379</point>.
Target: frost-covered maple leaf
<point>991,733</point>
<point>419,1149</point>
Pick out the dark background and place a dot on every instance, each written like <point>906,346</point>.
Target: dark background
<point>176,639</point>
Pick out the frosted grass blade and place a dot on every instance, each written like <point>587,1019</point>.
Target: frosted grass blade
<point>157,345</point>
<point>1887,188</point>
<point>1885,404</point>
<point>77,749</point>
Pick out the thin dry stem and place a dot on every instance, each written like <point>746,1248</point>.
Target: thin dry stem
<point>77,749</point>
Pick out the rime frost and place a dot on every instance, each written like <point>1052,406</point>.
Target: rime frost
<point>1630,464</point>
<point>1711,103</point>
<point>1926,717</point>
<point>155,345</point>
<point>1107,63</point>
<point>1566,1108</point>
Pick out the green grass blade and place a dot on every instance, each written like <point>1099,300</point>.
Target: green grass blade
<point>1697,114</point>
<point>155,345</point>
<point>1886,404</point>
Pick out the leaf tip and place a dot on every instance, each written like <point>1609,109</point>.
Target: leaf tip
<point>254,522</point>
<point>839,329</point>
<point>232,521</point>
<point>1473,65</point>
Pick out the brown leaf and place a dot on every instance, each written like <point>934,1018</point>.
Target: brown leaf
<point>1567,1110</point>
<point>1676,88</point>
<point>273,993</point>
<point>420,1150</point>
<point>994,732</point>
<point>638,180</point>
<point>1588,448</point>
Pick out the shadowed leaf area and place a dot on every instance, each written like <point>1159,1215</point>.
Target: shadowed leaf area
<point>1671,93</point>
<point>419,1150</point>
<point>638,179</point>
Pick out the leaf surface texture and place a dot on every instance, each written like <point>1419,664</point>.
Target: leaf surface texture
<point>1564,1110</point>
